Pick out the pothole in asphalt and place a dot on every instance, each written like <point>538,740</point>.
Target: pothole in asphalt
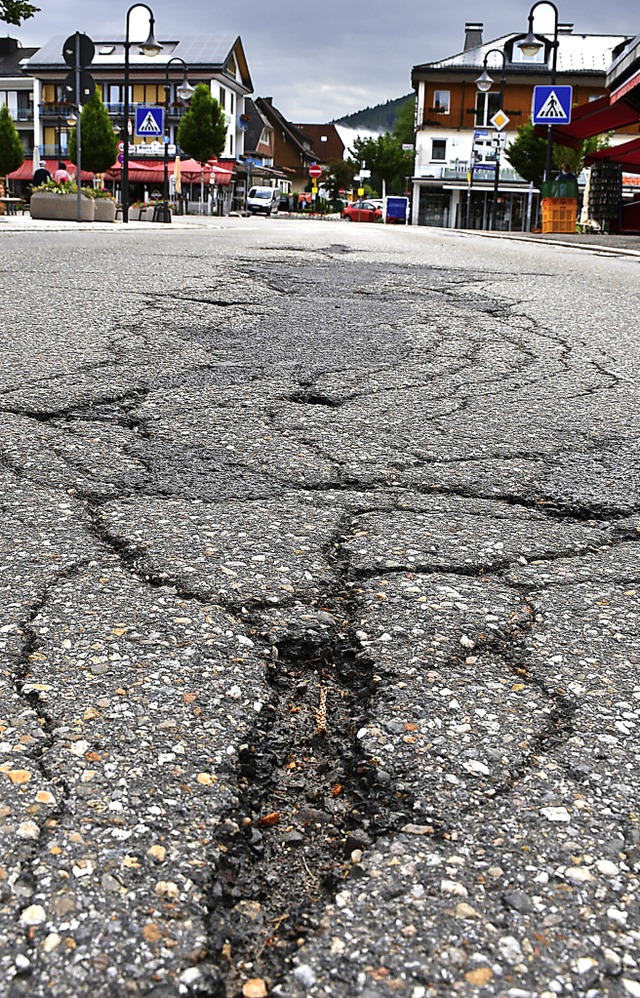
<point>315,398</point>
<point>309,805</point>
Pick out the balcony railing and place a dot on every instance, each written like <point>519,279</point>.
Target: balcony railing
<point>53,110</point>
<point>21,113</point>
<point>54,151</point>
<point>459,171</point>
<point>116,110</point>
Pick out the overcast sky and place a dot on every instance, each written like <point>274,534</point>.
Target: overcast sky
<point>338,59</point>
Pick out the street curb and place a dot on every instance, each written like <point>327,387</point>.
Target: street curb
<point>540,240</point>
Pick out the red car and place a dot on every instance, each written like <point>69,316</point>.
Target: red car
<point>362,211</point>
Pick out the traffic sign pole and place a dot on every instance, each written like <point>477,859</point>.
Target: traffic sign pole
<point>78,135</point>
<point>78,51</point>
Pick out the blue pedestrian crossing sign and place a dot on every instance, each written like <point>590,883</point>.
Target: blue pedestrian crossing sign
<point>552,105</point>
<point>149,121</point>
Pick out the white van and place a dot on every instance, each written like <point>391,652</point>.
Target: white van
<point>265,200</point>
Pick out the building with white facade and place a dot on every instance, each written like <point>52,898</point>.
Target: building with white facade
<point>453,120</point>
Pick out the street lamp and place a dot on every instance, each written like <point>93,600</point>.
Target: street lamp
<point>184,91</point>
<point>484,84</point>
<point>150,48</point>
<point>530,46</point>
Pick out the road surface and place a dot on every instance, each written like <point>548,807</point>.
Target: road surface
<point>318,613</point>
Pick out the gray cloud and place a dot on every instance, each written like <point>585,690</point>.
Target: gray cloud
<point>319,66</point>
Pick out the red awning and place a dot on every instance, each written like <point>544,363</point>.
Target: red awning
<point>594,118</point>
<point>141,172</point>
<point>220,176</point>
<point>628,154</point>
<point>25,172</point>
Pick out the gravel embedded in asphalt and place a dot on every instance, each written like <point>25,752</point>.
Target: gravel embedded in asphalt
<point>318,614</point>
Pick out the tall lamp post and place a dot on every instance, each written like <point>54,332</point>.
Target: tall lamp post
<point>150,48</point>
<point>484,84</point>
<point>530,46</point>
<point>184,92</point>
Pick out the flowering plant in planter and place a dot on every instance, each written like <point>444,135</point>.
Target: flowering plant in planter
<point>98,192</point>
<point>50,187</point>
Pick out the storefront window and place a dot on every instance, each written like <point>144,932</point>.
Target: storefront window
<point>433,208</point>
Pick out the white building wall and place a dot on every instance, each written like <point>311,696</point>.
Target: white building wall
<point>232,104</point>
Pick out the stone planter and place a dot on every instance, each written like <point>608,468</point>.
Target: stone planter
<point>105,210</point>
<point>60,207</point>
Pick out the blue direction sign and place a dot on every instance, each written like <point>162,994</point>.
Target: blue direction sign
<point>552,105</point>
<point>149,121</point>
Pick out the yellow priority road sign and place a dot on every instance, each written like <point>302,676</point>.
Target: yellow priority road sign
<point>500,120</point>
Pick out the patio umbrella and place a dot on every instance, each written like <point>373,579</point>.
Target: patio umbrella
<point>177,175</point>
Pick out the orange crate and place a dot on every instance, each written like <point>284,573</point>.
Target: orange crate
<point>559,214</point>
<point>559,202</point>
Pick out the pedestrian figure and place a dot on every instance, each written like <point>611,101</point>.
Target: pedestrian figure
<point>62,175</point>
<point>552,109</point>
<point>566,175</point>
<point>41,175</point>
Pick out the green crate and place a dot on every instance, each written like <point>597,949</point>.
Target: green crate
<point>559,189</point>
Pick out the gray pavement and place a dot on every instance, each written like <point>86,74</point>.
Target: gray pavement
<point>319,633</point>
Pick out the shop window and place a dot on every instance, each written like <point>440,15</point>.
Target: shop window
<point>438,150</point>
<point>442,101</point>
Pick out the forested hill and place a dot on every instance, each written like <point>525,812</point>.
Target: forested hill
<point>380,118</point>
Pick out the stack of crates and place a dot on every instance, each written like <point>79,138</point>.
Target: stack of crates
<point>559,206</point>
<point>559,214</point>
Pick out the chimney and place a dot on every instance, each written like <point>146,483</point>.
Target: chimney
<point>268,100</point>
<point>8,45</point>
<point>565,29</point>
<point>472,34</point>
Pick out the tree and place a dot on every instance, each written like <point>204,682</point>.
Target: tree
<point>404,130</point>
<point>202,133</point>
<point>527,154</point>
<point>11,150</point>
<point>576,157</point>
<point>341,173</point>
<point>387,161</point>
<point>16,11</point>
<point>99,143</point>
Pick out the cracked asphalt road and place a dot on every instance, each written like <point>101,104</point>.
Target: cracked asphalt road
<point>319,634</point>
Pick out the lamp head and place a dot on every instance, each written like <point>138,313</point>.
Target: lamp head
<point>484,82</point>
<point>185,91</point>
<point>72,119</point>
<point>530,45</point>
<point>151,47</point>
